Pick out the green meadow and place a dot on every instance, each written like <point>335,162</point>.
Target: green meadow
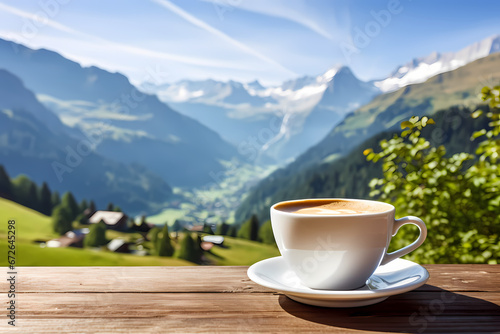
<point>241,252</point>
<point>32,226</point>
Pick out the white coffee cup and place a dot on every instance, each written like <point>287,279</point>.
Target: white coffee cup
<point>338,251</point>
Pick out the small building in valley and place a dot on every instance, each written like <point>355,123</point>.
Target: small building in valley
<point>214,239</point>
<point>69,239</point>
<point>196,228</point>
<point>118,246</point>
<point>113,220</point>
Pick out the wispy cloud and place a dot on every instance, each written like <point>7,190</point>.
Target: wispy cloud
<point>208,28</point>
<point>119,46</point>
<point>39,19</point>
<point>296,11</point>
<point>290,14</point>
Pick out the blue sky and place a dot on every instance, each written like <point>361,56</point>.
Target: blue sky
<point>268,40</point>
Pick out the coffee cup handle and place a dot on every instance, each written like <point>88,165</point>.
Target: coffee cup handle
<point>388,257</point>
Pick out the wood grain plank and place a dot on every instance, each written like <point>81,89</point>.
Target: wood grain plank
<point>238,312</point>
<point>457,298</point>
<point>136,279</point>
<point>138,305</point>
<point>214,279</point>
<point>163,325</point>
<point>464,277</point>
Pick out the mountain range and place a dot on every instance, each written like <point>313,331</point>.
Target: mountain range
<point>420,69</point>
<point>134,127</point>
<point>150,138</point>
<point>349,176</point>
<point>460,87</point>
<point>306,108</point>
<point>34,142</point>
<point>286,119</point>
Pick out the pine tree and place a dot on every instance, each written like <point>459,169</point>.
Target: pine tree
<point>84,205</point>
<point>222,229</point>
<point>68,200</point>
<point>55,199</point>
<point>5,184</point>
<point>250,229</point>
<point>61,219</point>
<point>33,198</point>
<point>189,249</point>
<point>163,243</point>
<point>232,231</point>
<point>266,233</point>
<point>110,207</point>
<point>92,207</point>
<point>96,236</point>
<point>207,229</point>
<point>177,226</point>
<point>153,236</point>
<point>82,219</point>
<point>23,189</point>
<point>45,199</point>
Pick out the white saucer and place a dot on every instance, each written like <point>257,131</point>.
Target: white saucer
<point>396,277</point>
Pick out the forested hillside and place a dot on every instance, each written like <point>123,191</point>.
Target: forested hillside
<point>350,176</point>
<point>384,113</point>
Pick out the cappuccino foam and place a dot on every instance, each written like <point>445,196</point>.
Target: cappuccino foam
<point>331,207</point>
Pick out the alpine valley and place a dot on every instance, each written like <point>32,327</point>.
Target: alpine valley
<point>336,166</point>
<point>141,142</point>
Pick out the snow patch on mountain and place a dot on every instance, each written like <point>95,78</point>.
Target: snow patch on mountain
<point>421,69</point>
<point>296,96</point>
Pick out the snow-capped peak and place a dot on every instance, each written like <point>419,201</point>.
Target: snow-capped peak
<point>421,69</point>
<point>328,75</point>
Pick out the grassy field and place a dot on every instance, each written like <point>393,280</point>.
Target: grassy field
<point>167,215</point>
<point>241,252</point>
<point>28,254</point>
<point>31,226</point>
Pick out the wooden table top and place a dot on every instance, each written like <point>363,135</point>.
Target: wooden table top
<point>457,298</point>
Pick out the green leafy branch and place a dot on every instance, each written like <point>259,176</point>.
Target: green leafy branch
<point>460,204</point>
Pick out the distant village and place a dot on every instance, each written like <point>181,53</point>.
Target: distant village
<point>120,222</point>
<point>81,225</point>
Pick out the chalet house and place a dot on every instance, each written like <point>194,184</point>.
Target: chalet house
<point>196,228</point>
<point>214,239</point>
<point>113,220</point>
<point>142,226</point>
<point>118,246</point>
<point>69,239</point>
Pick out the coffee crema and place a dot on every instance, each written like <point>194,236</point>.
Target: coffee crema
<point>331,207</point>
